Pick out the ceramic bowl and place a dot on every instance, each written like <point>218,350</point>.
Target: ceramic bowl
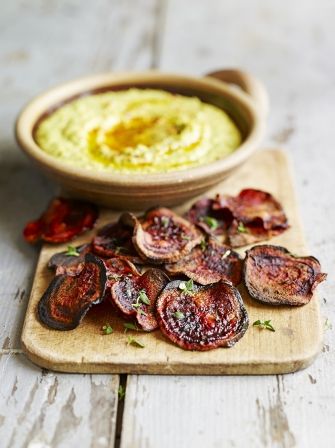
<point>247,106</point>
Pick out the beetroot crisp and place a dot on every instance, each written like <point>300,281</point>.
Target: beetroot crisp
<point>251,216</point>
<point>62,221</point>
<point>202,317</point>
<point>273,275</point>
<point>208,263</point>
<point>136,296</point>
<point>69,297</point>
<point>162,236</point>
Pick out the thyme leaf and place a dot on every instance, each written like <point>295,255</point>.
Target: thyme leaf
<point>187,287</point>
<point>130,326</point>
<point>211,222</point>
<point>241,228</point>
<point>107,329</point>
<point>141,298</point>
<point>121,392</point>
<point>134,342</point>
<point>165,221</point>
<point>72,251</point>
<point>265,324</point>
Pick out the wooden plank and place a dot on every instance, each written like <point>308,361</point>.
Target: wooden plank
<point>44,409</point>
<point>294,345</point>
<point>272,411</point>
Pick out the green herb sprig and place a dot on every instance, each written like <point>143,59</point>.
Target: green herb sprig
<point>211,222</point>
<point>134,342</point>
<point>187,287</point>
<point>121,392</point>
<point>107,329</point>
<point>165,220</point>
<point>241,228</point>
<point>72,251</point>
<point>178,315</point>
<point>130,326</point>
<point>141,298</point>
<point>265,324</point>
<point>185,237</point>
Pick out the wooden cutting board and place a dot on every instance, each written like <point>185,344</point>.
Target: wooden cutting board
<point>293,346</point>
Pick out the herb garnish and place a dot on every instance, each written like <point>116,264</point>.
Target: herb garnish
<point>115,277</point>
<point>130,326</point>
<point>165,221</point>
<point>72,251</point>
<point>185,237</point>
<point>241,228</point>
<point>264,324</point>
<point>203,245</point>
<point>187,287</point>
<point>141,298</point>
<point>107,329</point>
<point>135,342</point>
<point>178,315</point>
<point>121,392</point>
<point>211,222</point>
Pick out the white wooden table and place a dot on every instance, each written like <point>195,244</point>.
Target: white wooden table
<point>290,45</point>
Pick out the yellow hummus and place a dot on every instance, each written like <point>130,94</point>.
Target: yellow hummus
<point>138,130</point>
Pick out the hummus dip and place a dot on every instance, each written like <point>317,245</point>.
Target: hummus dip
<point>138,130</point>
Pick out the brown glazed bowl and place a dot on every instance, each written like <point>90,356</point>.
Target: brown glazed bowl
<point>247,106</point>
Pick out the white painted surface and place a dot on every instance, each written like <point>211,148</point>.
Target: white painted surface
<point>290,45</point>
<point>43,409</point>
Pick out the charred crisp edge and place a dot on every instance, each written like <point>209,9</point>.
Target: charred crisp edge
<point>123,261</point>
<point>42,307</point>
<point>177,254</point>
<point>128,219</point>
<point>126,223</point>
<point>242,328</point>
<point>257,295</point>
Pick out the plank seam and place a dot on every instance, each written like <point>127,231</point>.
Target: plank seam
<point>120,410</point>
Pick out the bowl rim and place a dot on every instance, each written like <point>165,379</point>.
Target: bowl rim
<point>51,98</point>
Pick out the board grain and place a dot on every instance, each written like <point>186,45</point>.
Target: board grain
<point>293,346</point>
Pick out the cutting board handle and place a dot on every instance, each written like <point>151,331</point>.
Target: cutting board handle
<point>248,83</point>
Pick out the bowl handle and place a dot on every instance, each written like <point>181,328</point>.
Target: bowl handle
<point>250,85</point>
